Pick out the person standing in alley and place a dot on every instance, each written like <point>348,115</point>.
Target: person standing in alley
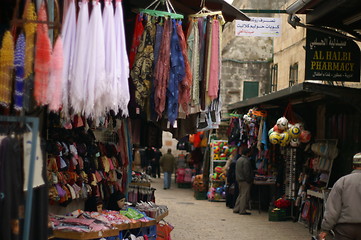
<point>167,163</point>
<point>343,212</point>
<point>244,177</point>
<point>156,164</point>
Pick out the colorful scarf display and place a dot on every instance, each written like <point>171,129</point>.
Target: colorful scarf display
<point>29,29</point>
<point>19,63</point>
<point>6,69</point>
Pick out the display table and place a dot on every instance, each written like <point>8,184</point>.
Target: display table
<point>259,184</point>
<point>85,235</point>
<point>107,233</point>
<point>140,184</point>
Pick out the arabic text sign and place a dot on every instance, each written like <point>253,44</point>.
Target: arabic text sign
<point>259,27</point>
<point>331,58</point>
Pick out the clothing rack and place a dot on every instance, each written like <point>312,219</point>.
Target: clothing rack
<point>29,196</point>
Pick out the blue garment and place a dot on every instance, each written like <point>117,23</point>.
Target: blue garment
<point>264,139</point>
<point>19,63</point>
<point>167,180</point>
<point>176,74</point>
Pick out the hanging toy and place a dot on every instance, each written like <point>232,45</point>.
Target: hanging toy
<point>295,142</point>
<point>282,123</point>
<point>276,129</point>
<point>294,131</point>
<point>285,139</point>
<point>275,138</point>
<point>305,136</point>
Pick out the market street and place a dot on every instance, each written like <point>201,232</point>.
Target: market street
<point>205,220</point>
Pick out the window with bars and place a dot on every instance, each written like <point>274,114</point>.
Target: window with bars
<point>293,74</point>
<point>274,77</point>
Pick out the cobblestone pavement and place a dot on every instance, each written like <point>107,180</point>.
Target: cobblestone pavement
<point>204,220</point>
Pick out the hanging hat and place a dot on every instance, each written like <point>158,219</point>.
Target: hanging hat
<point>357,159</point>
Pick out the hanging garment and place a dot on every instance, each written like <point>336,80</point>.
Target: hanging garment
<point>19,63</point>
<point>205,59</point>
<point>142,71</point>
<point>6,69</point>
<point>79,67</point>
<point>161,72</point>
<point>11,188</point>
<point>138,32</point>
<point>193,50</point>
<point>158,40</point>
<point>95,75</point>
<point>54,93</point>
<point>185,85</point>
<point>68,34</point>
<point>29,29</point>
<point>214,64</point>
<point>111,81</point>
<point>122,69</point>
<point>42,59</point>
<point>177,72</point>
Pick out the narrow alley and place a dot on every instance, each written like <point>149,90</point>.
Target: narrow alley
<point>205,220</point>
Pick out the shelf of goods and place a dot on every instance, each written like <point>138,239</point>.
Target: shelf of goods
<point>220,153</point>
<point>107,233</point>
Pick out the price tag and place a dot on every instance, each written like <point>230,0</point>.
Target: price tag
<point>137,110</point>
<point>175,124</point>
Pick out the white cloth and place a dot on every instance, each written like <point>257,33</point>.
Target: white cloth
<point>122,60</point>
<point>79,69</point>
<point>68,33</point>
<point>38,164</point>
<point>95,75</point>
<point>110,99</point>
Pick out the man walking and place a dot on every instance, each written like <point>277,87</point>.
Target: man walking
<point>167,163</point>
<point>343,212</point>
<point>244,177</point>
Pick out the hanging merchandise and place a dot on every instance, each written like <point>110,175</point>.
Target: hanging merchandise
<point>68,34</point>
<point>19,62</point>
<point>29,29</point>
<point>42,59</point>
<point>6,69</point>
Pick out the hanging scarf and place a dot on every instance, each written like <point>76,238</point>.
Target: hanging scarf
<point>138,32</point>
<point>161,73</point>
<point>177,73</point>
<point>29,29</point>
<point>185,85</point>
<point>111,99</point>
<point>19,63</point>
<point>141,72</point>
<point>42,59</point>
<point>6,69</point>
<point>214,63</point>
<point>95,61</point>
<point>54,93</point>
<point>122,69</point>
<point>68,34</point>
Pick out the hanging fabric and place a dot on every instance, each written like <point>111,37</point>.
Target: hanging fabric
<point>161,71</point>
<point>42,59</point>
<point>214,63</point>
<point>141,72</point>
<point>79,69</point>
<point>19,62</point>
<point>68,34</point>
<point>54,92</point>
<point>122,63</point>
<point>29,29</point>
<point>95,64</point>
<point>177,72</point>
<point>138,32</point>
<point>111,80</point>
<point>194,53</point>
<point>185,85</point>
<point>6,69</point>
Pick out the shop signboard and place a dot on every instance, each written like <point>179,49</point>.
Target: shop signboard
<point>259,27</point>
<point>331,58</point>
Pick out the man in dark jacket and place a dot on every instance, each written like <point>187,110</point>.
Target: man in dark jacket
<point>343,212</point>
<point>244,177</point>
<point>167,162</point>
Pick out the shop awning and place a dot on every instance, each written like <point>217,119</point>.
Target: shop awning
<point>187,7</point>
<point>303,93</point>
<point>343,15</point>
